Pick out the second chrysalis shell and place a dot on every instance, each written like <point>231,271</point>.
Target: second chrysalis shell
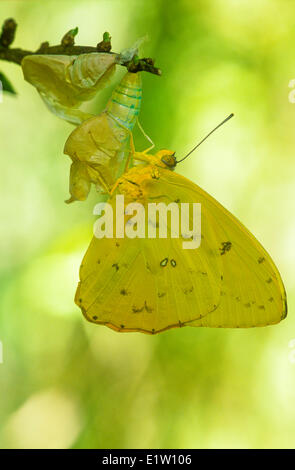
<point>64,82</point>
<point>98,147</point>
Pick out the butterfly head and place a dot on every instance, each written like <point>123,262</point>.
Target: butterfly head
<point>167,159</point>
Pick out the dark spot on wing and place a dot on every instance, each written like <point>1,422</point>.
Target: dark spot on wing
<point>132,182</point>
<point>238,299</point>
<point>122,326</point>
<point>188,291</point>
<point>270,299</point>
<point>98,261</point>
<point>94,317</point>
<point>261,259</point>
<point>161,294</point>
<point>262,307</point>
<point>117,244</point>
<point>269,280</point>
<point>136,309</point>
<point>115,265</point>
<point>173,263</point>
<point>225,246</point>
<point>123,292</point>
<point>80,301</point>
<point>148,266</point>
<point>164,262</point>
<point>247,305</point>
<point>147,308</point>
<point>177,201</point>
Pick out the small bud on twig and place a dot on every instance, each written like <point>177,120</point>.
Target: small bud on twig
<point>105,45</point>
<point>43,47</point>
<point>69,37</point>
<point>8,32</point>
<point>139,65</point>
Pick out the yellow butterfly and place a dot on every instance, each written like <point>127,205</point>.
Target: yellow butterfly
<point>152,284</point>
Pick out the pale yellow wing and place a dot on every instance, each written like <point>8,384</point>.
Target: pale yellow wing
<point>252,292</point>
<point>150,285</point>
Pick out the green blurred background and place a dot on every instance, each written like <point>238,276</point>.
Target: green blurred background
<point>68,384</point>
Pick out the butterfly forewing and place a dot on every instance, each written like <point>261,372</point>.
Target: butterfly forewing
<point>252,292</point>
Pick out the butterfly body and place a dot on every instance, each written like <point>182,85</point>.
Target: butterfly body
<point>152,284</point>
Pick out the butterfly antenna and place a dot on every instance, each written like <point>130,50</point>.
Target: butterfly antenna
<point>219,125</point>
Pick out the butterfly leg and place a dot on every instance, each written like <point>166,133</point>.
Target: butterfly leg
<point>114,187</point>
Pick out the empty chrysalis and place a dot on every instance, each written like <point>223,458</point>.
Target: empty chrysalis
<point>98,147</point>
<point>64,82</point>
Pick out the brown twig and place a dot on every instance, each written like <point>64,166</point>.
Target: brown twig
<point>8,32</point>
<point>67,47</point>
